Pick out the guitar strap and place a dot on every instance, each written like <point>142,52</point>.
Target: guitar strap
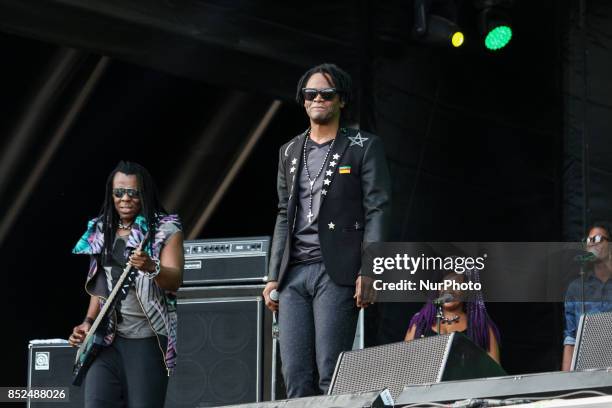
<point>118,262</point>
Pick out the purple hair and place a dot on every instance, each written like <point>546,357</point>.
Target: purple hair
<point>479,321</point>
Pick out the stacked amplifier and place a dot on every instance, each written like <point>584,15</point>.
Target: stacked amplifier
<point>224,337</point>
<point>224,332</point>
<point>226,261</point>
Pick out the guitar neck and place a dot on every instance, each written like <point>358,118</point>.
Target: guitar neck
<point>111,298</point>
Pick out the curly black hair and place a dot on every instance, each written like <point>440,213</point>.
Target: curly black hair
<point>339,79</point>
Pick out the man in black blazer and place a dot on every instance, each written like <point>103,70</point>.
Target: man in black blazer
<point>334,196</point>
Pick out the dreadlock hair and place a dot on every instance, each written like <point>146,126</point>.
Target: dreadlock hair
<point>150,205</point>
<point>479,321</point>
<point>339,79</point>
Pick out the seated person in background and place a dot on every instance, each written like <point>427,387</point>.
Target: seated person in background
<point>597,294</point>
<point>469,317</point>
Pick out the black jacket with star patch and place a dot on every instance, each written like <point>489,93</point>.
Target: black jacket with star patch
<point>355,206</point>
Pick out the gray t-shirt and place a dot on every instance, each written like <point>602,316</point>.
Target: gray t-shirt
<point>133,322</point>
<point>306,247</point>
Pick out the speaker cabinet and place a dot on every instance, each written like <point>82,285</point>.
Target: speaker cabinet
<point>426,360</point>
<point>593,342</point>
<point>50,365</point>
<point>220,346</point>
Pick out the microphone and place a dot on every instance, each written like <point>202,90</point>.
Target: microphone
<point>275,328</point>
<point>586,258</point>
<point>445,298</point>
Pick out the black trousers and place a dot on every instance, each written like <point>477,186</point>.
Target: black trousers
<point>317,320</point>
<point>128,374</point>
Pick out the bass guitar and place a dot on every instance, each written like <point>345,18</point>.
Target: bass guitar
<point>94,341</point>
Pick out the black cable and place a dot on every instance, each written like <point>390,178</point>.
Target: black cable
<point>419,168</point>
<point>586,185</point>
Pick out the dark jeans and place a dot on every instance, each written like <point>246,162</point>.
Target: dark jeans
<point>128,374</point>
<point>317,321</point>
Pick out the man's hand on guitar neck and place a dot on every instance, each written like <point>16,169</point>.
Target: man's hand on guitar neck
<point>78,334</point>
<point>141,261</point>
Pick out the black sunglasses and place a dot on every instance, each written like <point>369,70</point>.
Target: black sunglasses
<point>131,192</point>
<point>596,239</point>
<point>326,93</point>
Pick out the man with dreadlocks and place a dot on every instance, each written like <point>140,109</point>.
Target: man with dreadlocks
<point>334,195</point>
<point>463,314</point>
<point>132,370</point>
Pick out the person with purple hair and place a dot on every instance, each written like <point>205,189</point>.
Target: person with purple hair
<point>463,314</point>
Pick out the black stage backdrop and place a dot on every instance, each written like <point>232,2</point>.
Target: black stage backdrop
<point>482,146</point>
<point>476,156</point>
<point>587,100</point>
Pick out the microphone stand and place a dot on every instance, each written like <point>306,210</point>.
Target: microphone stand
<point>439,315</point>
<point>582,308</point>
<point>583,261</point>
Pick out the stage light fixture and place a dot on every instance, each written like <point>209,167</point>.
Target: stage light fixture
<point>435,29</point>
<point>457,39</point>
<point>495,23</point>
<point>498,37</point>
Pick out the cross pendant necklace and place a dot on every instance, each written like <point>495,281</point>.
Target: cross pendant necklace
<point>312,180</point>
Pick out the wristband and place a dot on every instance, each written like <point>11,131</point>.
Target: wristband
<point>88,320</point>
<point>151,275</point>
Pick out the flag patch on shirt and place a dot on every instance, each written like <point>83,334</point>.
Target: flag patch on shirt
<point>344,169</point>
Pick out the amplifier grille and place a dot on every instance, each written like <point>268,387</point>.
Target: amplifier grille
<point>595,342</point>
<point>219,353</point>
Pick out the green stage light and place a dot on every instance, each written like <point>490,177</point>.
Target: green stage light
<point>495,24</point>
<point>498,37</point>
